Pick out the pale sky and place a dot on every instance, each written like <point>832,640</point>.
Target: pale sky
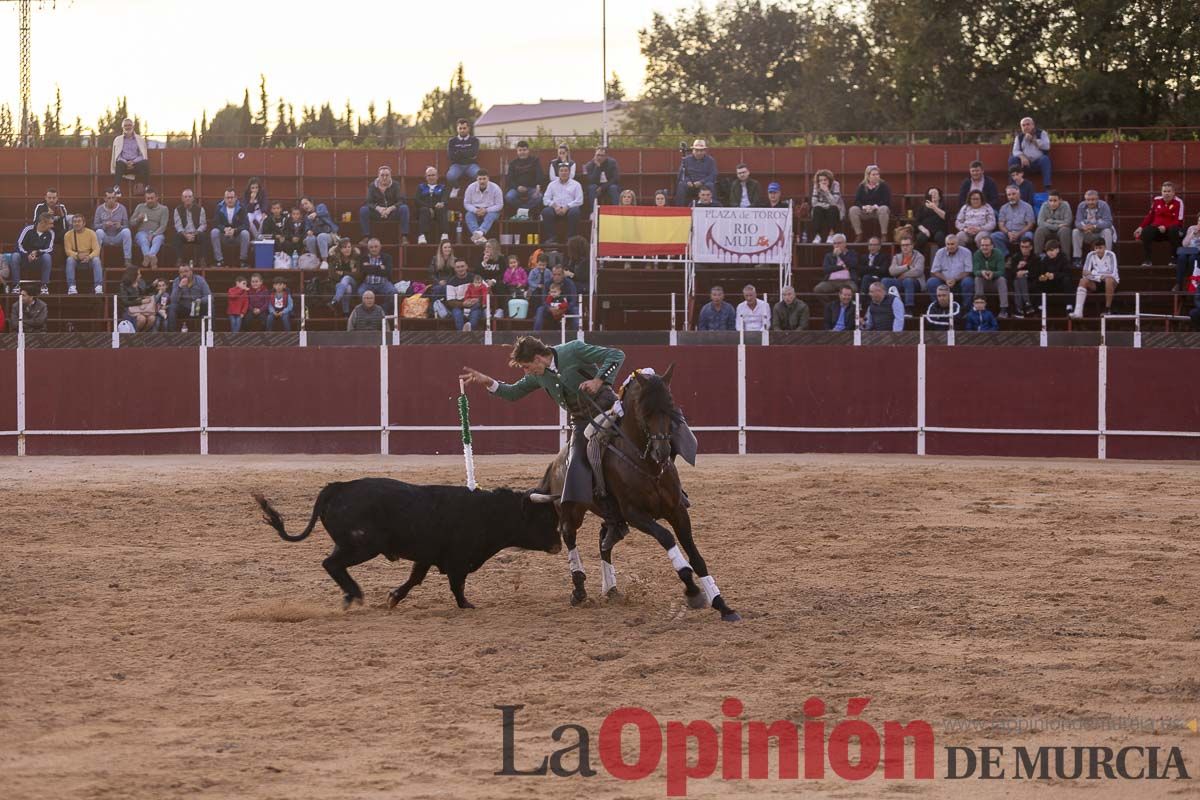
<point>197,56</point>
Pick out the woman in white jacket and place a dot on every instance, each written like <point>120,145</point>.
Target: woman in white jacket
<point>1100,267</point>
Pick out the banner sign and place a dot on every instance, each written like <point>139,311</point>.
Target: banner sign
<point>643,231</point>
<point>741,235</point>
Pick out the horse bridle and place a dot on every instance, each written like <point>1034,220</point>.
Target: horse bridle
<point>651,438</point>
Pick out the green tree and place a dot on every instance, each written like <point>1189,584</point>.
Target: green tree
<point>616,90</point>
<point>441,108</point>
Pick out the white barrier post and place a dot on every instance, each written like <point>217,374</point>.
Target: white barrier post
<point>1137,319</point>
<point>303,320</point>
<point>1043,337</point>
<point>487,318</point>
<point>857,319</point>
<point>20,375</point>
<point>674,337</point>
<point>116,337</point>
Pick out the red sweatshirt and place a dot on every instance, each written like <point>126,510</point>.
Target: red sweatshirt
<point>1161,212</point>
<point>239,301</point>
<point>480,291</point>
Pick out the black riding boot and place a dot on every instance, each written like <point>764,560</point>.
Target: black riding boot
<point>615,528</point>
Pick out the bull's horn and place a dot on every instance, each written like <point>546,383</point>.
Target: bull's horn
<point>537,497</point>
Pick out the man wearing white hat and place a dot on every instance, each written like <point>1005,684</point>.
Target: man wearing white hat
<point>697,171</point>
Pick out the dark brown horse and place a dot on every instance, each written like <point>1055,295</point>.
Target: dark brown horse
<point>640,474</point>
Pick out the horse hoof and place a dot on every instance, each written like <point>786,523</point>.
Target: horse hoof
<point>348,600</point>
<point>731,616</point>
<point>578,598</point>
<point>614,595</point>
<point>467,604</point>
<point>696,600</point>
<point>393,599</point>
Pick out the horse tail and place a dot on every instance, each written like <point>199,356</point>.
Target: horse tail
<point>272,517</point>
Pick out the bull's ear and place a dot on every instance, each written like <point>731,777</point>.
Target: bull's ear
<point>538,497</point>
<point>666,376</point>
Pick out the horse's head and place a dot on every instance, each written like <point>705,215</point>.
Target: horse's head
<point>649,404</point>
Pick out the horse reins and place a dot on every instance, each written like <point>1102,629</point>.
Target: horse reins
<point>650,439</point>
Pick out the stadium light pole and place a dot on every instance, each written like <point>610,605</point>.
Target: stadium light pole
<point>604,72</point>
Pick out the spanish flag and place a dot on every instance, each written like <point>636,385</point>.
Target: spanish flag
<point>643,231</point>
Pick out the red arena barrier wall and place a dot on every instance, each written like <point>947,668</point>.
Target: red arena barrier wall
<point>1153,390</point>
<point>831,387</point>
<point>797,399</point>
<point>1011,388</point>
<point>95,390</point>
<point>302,387</point>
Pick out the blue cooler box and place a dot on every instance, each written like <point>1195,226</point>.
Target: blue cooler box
<point>264,254</point>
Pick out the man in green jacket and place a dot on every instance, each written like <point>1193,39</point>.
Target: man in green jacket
<point>566,372</point>
<point>989,273</point>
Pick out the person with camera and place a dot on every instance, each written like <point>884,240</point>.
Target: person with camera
<point>697,171</point>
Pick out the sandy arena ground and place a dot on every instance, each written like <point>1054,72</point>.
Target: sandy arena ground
<point>158,641</point>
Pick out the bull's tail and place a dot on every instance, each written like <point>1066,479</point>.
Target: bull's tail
<point>272,518</point>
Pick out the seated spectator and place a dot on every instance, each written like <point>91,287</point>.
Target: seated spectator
<point>129,155</point>
<point>280,308</point>
<point>162,302</point>
<point>907,273</point>
<point>885,311</point>
<point>432,197</point>
<point>1014,221</point>
<point>385,202</point>
<point>1052,271</point>
<point>516,281</point>
<point>1100,267</point>
<point>577,265</point>
<point>988,271</point>
<point>322,230</point>
<point>716,315</point>
<point>556,305</point>
<point>827,207</point>
<point>525,180</point>
<point>1093,220</point>
<point>275,225</point>
<point>229,227</point>
<point>943,310</point>
<point>259,303</point>
<point>744,191</point>
<point>1016,177</point>
<point>930,223</point>
<point>705,199</point>
<point>52,206</point>
<point>952,266</point>
<point>190,223</point>
<point>111,224</point>
<point>790,313</point>
<point>980,319</point>
<point>455,291</point>
<point>1022,265</point>
<point>1031,150</point>
<point>628,198</point>
<point>539,277</point>
<point>441,269</point>
<point>345,264</point>
<point>563,200</point>
<point>491,269</point>
<point>1163,221</point>
<point>136,301</point>
<point>841,316</point>
<point>376,271</point>
<point>295,233</point>
<point>1054,222</point>
<point>1187,258</point>
<point>463,150</point>
<point>28,311</point>
<point>482,204</point>
<point>565,287</point>
<point>697,171</point>
<point>475,301</point>
<point>752,315</point>
<point>254,200</point>
<point>604,178</point>
<point>841,267</point>
<point>83,248</point>
<point>149,222</point>
<point>872,199</point>
<point>367,316</point>
<point>976,181</point>
<point>660,198</point>
<point>34,246</point>
<point>873,267</point>
<point>237,302</point>
<point>976,220</point>
<point>190,295</point>
<point>563,157</point>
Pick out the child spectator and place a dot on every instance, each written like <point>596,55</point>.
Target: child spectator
<point>557,304</point>
<point>259,300</point>
<point>294,233</point>
<point>280,307</point>
<point>1100,268</point>
<point>516,279</point>
<point>475,300</point>
<point>538,277</point>
<point>162,304</point>
<point>275,225</point>
<point>238,303</point>
<point>980,319</point>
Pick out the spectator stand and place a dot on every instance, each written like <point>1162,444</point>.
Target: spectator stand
<point>640,235</point>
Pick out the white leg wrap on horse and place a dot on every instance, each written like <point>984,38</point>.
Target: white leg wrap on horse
<point>677,559</point>
<point>608,577</point>
<point>574,561</point>
<point>710,588</point>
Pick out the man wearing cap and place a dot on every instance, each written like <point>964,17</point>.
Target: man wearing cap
<point>695,172</point>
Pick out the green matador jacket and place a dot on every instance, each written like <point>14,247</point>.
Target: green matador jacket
<point>574,363</point>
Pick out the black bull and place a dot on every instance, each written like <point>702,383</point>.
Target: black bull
<point>449,527</point>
